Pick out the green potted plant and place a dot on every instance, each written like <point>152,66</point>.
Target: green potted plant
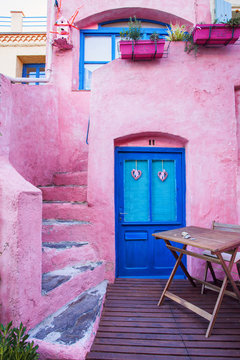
<point>224,33</point>
<point>177,33</point>
<point>132,47</point>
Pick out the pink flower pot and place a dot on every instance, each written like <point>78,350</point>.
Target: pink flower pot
<point>141,49</point>
<point>215,34</point>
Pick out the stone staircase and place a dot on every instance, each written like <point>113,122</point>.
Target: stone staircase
<point>73,286</point>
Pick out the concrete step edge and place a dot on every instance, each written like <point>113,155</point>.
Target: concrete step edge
<point>55,278</point>
<point>59,222</point>
<point>55,335</point>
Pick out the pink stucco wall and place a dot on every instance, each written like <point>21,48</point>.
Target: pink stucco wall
<point>186,96</point>
<point>20,228</point>
<point>34,134</point>
<point>20,261</point>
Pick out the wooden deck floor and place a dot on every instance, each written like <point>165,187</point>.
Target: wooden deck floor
<point>132,327</point>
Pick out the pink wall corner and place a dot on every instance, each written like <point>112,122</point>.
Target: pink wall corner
<point>193,104</point>
<point>20,209</point>
<point>34,138</point>
<point>5,114</point>
<point>73,109</point>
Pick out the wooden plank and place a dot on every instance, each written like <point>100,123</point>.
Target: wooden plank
<point>195,339</point>
<point>226,227</point>
<point>191,253</point>
<point>179,260</point>
<point>166,330</point>
<point>221,292</point>
<point>215,288</point>
<point>189,305</point>
<point>140,336</point>
<point>148,350</point>
<point>117,356</point>
<point>228,269</point>
<point>134,328</point>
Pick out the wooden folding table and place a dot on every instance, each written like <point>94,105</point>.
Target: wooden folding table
<point>206,239</point>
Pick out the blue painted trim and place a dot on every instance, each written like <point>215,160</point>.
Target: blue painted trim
<point>35,65</point>
<point>127,20</point>
<point>96,62</point>
<point>150,188</point>
<point>111,31</point>
<point>126,149</point>
<point>113,46</point>
<point>81,61</point>
<point>88,130</point>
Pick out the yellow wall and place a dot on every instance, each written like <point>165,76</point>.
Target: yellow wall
<point>12,58</point>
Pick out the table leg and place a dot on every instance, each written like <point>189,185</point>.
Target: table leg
<point>171,277</point>
<point>181,264</point>
<point>228,271</point>
<point>208,266</point>
<point>222,291</point>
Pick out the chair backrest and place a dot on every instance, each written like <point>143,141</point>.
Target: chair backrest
<point>225,227</point>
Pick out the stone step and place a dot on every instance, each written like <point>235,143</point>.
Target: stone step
<point>61,254</point>
<point>70,178</point>
<point>67,230</point>
<point>66,211</point>
<point>64,193</point>
<point>63,285</point>
<point>53,279</point>
<point>68,333</point>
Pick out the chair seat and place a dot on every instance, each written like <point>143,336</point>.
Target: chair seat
<point>226,256</point>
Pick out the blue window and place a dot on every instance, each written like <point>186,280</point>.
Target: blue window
<point>100,46</point>
<point>34,71</point>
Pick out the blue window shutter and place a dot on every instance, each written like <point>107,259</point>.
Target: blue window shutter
<point>223,10</point>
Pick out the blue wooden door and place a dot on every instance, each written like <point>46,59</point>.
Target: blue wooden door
<point>147,200</point>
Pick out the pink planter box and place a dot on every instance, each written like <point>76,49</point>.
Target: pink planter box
<point>217,34</point>
<point>141,49</point>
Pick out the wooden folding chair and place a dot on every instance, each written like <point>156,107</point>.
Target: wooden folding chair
<point>226,256</point>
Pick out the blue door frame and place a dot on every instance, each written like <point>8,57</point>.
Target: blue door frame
<point>140,209</point>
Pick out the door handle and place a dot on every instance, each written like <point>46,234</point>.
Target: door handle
<point>123,213</point>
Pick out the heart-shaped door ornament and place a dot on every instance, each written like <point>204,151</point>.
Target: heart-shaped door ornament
<point>136,174</point>
<point>162,175</point>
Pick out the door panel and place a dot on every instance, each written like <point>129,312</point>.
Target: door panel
<point>136,194</point>
<point>145,204</point>
<point>166,191</point>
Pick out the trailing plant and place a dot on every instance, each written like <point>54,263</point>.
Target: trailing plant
<point>190,45</point>
<point>177,33</point>
<point>14,344</point>
<point>233,22</point>
<point>134,30</point>
<point>154,36</point>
